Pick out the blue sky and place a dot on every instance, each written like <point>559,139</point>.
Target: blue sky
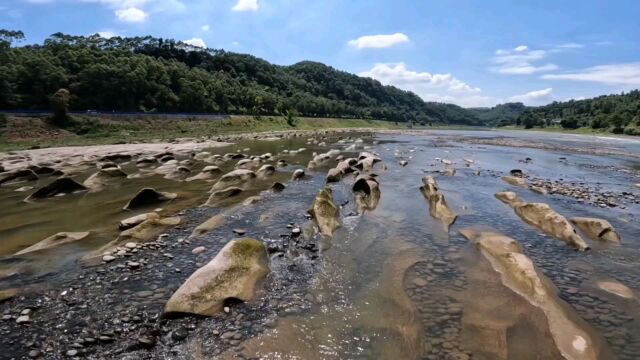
<point>468,52</point>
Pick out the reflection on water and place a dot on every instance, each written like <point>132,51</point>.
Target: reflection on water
<point>394,284</point>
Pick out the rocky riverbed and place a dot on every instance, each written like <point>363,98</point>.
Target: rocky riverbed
<point>366,256</point>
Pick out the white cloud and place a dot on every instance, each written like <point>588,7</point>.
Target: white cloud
<point>197,42</point>
<point>379,41</point>
<point>613,74</point>
<point>430,87</point>
<point>570,45</point>
<point>205,28</point>
<point>131,15</point>
<point>538,97</point>
<point>107,34</point>
<point>520,61</point>
<point>246,5</point>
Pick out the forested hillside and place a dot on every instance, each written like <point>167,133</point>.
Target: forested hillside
<point>500,115</point>
<point>151,74</point>
<point>618,113</point>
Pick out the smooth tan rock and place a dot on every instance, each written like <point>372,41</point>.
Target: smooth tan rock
<point>128,223</point>
<point>252,200</point>
<point>598,229</point>
<point>147,230</point>
<point>333,175</point>
<point>208,173</point>
<point>235,178</point>
<point>218,197</point>
<point>233,274</point>
<point>508,197</point>
<point>213,223</point>
<point>54,241</point>
<point>266,171</point>
<point>429,187</point>
<point>616,288</point>
<point>101,179</point>
<point>148,197</point>
<point>438,207</point>
<point>546,219</point>
<point>325,212</point>
<point>515,181</point>
<point>572,337</point>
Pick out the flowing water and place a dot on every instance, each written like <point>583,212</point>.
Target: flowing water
<point>392,283</point>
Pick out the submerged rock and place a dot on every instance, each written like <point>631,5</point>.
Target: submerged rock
<point>325,212</point>
<point>207,174</point>
<point>597,229</point>
<point>278,187</point>
<point>101,179</point>
<point>266,171</point>
<point>572,337</point>
<point>219,196</point>
<point>147,230</point>
<point>298,175</point>
<point>54,241</point>
<point>213,223</point>
<point>233,274</point>
<point>18,175</point>
<point>61,186</point>
<point>616,288</point>
<point>508,197</point>
<point>148,197</point>
<point>236,178</point>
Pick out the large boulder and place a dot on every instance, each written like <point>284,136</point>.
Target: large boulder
<point>237,178</point>
<point>213,223</point>
<point>573,337</point>
<point>207,174</point>
<point>233,274</point>
<point>148,197</point>
<point>103,177</point>
<point>546,219</point>
<point>325,212</point>
<point>367,193</point>
<point>61,186</point>
<point>54,241</point>
<point>597,229</point>
<point>439,209</point>
<point>219,196</point>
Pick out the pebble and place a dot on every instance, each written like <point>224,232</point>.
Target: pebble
<point>23,319</point>
<point>199,250</point>
<point>239,232</point>
<point>133,264</point>
<point>108,258</point>
<point>72,352</point>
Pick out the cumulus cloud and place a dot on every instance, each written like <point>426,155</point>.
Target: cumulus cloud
<point>197,42</point>
<point>430,87</point>
<point>521,61</point>
<point>379,41</point>
<point>131,15</point>
<point>246,5</point>
<point>612,74</point>
<point>537,97</point>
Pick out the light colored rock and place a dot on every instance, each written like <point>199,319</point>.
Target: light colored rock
<point>208,173</point>
<point>236,178</point>
<point>128,223</point>
<point>101,179</point>
<point>266,171</point>
<point>573,339</point>
<point>367,193</point>
<point>598,229</point>
<point>438,207</point>
<point>404,163</point>
<point>198,250</point>
<point>55,241</point>
<point>233,274</point>
<point>213,223</point>
<point>325,212</point>
<point>616,288</point>
<point>546,219</point>
<point>251,200</point>
<point>108,258</point>
<point>515,181</point>
<point>333,175</point>
<point>148,197</point>
<point>508,197</point>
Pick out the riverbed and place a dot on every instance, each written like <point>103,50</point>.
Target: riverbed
<point>392,282</point>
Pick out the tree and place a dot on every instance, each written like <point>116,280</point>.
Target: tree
<point>60,103</point>
<point>291,118</point>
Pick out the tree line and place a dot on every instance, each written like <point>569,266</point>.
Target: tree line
<point>153,74</point>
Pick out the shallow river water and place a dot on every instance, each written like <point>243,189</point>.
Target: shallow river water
<point>392,283</point>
